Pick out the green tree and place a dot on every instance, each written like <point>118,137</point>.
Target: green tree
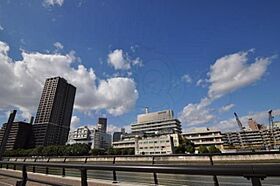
<point>203,149</point>
<point>190,149</point>
<point>213,149</point>
<point>185,145</point>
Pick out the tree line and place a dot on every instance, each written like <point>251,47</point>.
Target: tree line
<point>67,150</point>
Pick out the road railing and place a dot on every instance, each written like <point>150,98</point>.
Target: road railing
<point>255,173</point>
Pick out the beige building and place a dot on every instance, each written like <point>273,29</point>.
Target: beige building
<point>162,144</point>
<point>205,136</point>
<point>154,133</point>
<point>162,121</point>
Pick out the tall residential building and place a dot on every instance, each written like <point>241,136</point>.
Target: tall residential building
<point>20,135</point>
<point>102,124</point>
<point>52,122</point>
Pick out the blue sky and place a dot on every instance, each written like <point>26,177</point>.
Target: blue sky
<point>144,53</point>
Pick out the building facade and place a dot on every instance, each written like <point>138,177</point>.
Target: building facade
<point>97,137</point>
<point>117,136</point>
<point>155,145</point>
<point>20,136</point>
<point>162,121</point>
<point>52,122</point>
<point>153,133</point>
<point>252,139</point>
<point>206,137</point>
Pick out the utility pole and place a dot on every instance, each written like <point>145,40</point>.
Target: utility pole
<point>6,133</point>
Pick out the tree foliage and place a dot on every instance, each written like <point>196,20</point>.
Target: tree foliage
<point>203,149</point>
<point>210,149</point>
<point>185,145</point>
<point>52,150</point>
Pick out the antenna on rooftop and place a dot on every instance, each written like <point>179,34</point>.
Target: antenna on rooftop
<point>146,110</point>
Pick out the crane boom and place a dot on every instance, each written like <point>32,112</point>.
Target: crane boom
<point>239,122</point>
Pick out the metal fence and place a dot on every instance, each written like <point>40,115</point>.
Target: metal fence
<point>253,172</point>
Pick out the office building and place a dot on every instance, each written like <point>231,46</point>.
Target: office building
<point>151,128</point>
<point>97,137</point>
<point>117,136</point>
<point>80,135</point>
<point>102,124</point>
<point>20,136</point>
<point>52,122</point>
<point>162,122</point>
<point>161,144</point>
<point>205,136</point>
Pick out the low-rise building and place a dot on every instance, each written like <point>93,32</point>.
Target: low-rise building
<point>158,144</point>
<point>205,136</point>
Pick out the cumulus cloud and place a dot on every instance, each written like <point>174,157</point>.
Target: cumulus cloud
<point>233,71</point>
<point>226,75</point>
<point>53,3</point>
<point>22,83</point>
<point>259,117</point>
<point>75,122</point>
<point>196,114</point>
<point>226,108</point>
<point>1,27</point>
<point>186,78</point>
<point>122,61</point>
<point>58,45</point>
<point>202,83</point>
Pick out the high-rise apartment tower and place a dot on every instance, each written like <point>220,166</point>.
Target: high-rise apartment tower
<point>52,122</point>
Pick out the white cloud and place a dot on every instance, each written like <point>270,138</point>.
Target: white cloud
<point>186,78</point>
<point>58,46</point>
<point>121,61</point>
<point>53,2</point>
<point>233,71</point>
<point>202,83</point>
<point>1,27</point>
<point>226,108</point>
<point>226,75</point>
<point>22,82</point>
<point>75,122</point>
<point>259,117</point>
<point>197,114</point>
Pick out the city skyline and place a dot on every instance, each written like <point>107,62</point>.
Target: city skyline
<point>132,55</point>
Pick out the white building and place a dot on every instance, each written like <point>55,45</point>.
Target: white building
<point>96,138</point>
<point>80,135</point>
<point>205,136</point>
<point>154,133</point>
<point>162,121</point>
<point>162,144</point>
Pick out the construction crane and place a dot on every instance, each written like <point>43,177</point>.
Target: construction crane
<point>239,122</point>
<point>270,119</point>
<point>270,123</point>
